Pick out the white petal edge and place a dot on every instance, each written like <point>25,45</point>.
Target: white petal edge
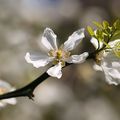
<point>114,73</point>
<point>110,80</point>
<point>97,67</point>
<point>9,88</point>
<point>116,64</point>
<point>43,61</point>
<point>11,101</point>
<point>111,68</point>
<point>49,39</point>
<point>55,71</point>
<point>95,43</point>
<point>113,43</point>
<point>78,58</point>
<point>4,84</point>
<point>74,40</point>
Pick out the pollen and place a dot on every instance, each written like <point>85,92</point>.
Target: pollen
<point>59,54</point>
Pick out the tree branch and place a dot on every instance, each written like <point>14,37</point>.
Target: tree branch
<point>27,91</point>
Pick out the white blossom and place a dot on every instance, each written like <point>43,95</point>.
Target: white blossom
<point>4,88</point>
<point>109,61</point>
<point>57,55</point>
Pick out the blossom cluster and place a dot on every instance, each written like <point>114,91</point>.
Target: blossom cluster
<point>109,62</point>
<point>107,52</point>
<point>106,40</point>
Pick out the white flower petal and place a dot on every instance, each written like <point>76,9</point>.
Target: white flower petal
<point>38,61</point>
<point>112,75</point>
<point>110,80</point>
<point>95,43</point>
<point>116,64</point>
<point>7,87</point>
<point>111,68</point>
<point>78,58</point>
<point>113,43</point>
<point>11,101</point>
<point>97,67</point>
<point>74,40</point>
<point>55,71</point>
<point>49,39</point>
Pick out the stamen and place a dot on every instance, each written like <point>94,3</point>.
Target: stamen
<point>52,53</point>
<point>60,55</point>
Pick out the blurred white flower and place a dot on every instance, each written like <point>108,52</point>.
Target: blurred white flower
<point>4,88</point>
<point>57,55</point>
<point>109,61</point>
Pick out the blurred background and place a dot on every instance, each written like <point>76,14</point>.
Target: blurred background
<point>82,93</point>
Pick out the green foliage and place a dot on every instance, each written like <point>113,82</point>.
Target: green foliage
<point>105,24</point>
<point>116,35</point>
<point>90,30</point>
<point>105,32</point>
<point>117,49</point>
<point>97,24</point>
<point>116,24</point>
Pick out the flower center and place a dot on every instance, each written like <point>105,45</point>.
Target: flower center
<point>116,49</point>
<point>60,55</point>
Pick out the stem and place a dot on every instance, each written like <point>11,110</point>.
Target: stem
<point>26,90</point>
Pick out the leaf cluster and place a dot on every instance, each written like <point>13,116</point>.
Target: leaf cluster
<point>105,32</point>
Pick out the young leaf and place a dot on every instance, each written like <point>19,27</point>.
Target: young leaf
<point>116,35</point>
<point>117,24</point>
<point>97,24</point>
<point>99,34</point>
<point>105,24</point>
<point>90,30</point>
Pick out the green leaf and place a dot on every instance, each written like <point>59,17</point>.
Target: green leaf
<point>105,24</point>
<point>117,24</point>
<point>107,31</point>
<point>90,30</point>
<point>99,33</point>
<point>116,35</point>
<point>97,24</point>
